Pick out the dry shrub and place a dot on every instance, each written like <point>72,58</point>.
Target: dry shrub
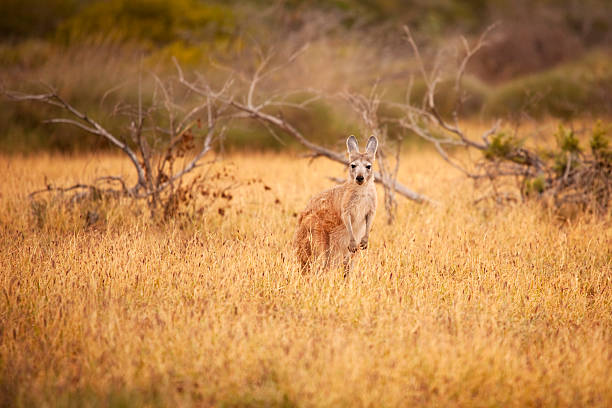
<point>569,177</point>
<point>512,170</point>
<point>212,189</point>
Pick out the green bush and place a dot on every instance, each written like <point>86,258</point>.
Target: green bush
<point>502,145</point>
<point>574,89</point>
<point>600,142</point>
<point>152,22</point>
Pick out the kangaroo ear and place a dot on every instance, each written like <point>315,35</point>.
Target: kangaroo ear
<point>372,145</point>
<point>351,144</point>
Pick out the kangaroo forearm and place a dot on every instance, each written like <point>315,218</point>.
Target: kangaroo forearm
<point>349,226</point>
<point>368,221</point>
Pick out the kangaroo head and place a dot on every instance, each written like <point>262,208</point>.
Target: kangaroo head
<point>360,164</point>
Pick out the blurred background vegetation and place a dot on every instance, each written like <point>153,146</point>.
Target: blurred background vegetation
<point>547,58</point>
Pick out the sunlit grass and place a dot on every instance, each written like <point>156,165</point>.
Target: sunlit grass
<point>452,305</point>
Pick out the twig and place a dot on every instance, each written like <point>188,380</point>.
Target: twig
<point>94,127</point>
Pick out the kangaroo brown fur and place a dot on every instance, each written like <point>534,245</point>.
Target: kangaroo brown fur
<point>337,222</point>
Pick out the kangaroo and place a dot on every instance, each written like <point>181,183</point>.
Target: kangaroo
<point>337,222</point>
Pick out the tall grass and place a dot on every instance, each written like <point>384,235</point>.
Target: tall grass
<point>453,305</point>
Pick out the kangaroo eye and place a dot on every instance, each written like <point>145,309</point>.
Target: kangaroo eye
<point>353,166</point>
<point>368,166</point>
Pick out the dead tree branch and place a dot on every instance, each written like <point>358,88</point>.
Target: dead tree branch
<point>253,106</point>
<point>571,176</point>
<point>367,109</point>
<point>84,122</point>
<point>180,140</point>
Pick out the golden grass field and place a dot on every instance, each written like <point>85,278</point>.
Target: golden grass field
<point>455,305</point>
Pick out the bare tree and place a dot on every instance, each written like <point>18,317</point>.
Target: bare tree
<point>571,176</point>
<point>159,138</point>
<point>267,110</point>
<point>426,121</point>
<point>166,140</point>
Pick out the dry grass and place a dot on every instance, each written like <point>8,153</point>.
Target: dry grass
<point>451,306</point>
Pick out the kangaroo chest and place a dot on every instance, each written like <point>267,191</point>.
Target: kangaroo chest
<point>359,205</point>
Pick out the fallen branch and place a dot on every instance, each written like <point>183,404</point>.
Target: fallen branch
<point>248,108</point>
<point>321,151</point>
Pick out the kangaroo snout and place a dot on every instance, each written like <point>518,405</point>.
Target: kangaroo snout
<point>359,179</point>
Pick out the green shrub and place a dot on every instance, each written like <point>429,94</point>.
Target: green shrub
<point>569,147</point>
<point>186,54</point>
<point>535,185</point>
<point>567,140</point>
<point>502,145</point>
<point>600,142</point>
<point>570,90</point>
<point>152,22</point>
